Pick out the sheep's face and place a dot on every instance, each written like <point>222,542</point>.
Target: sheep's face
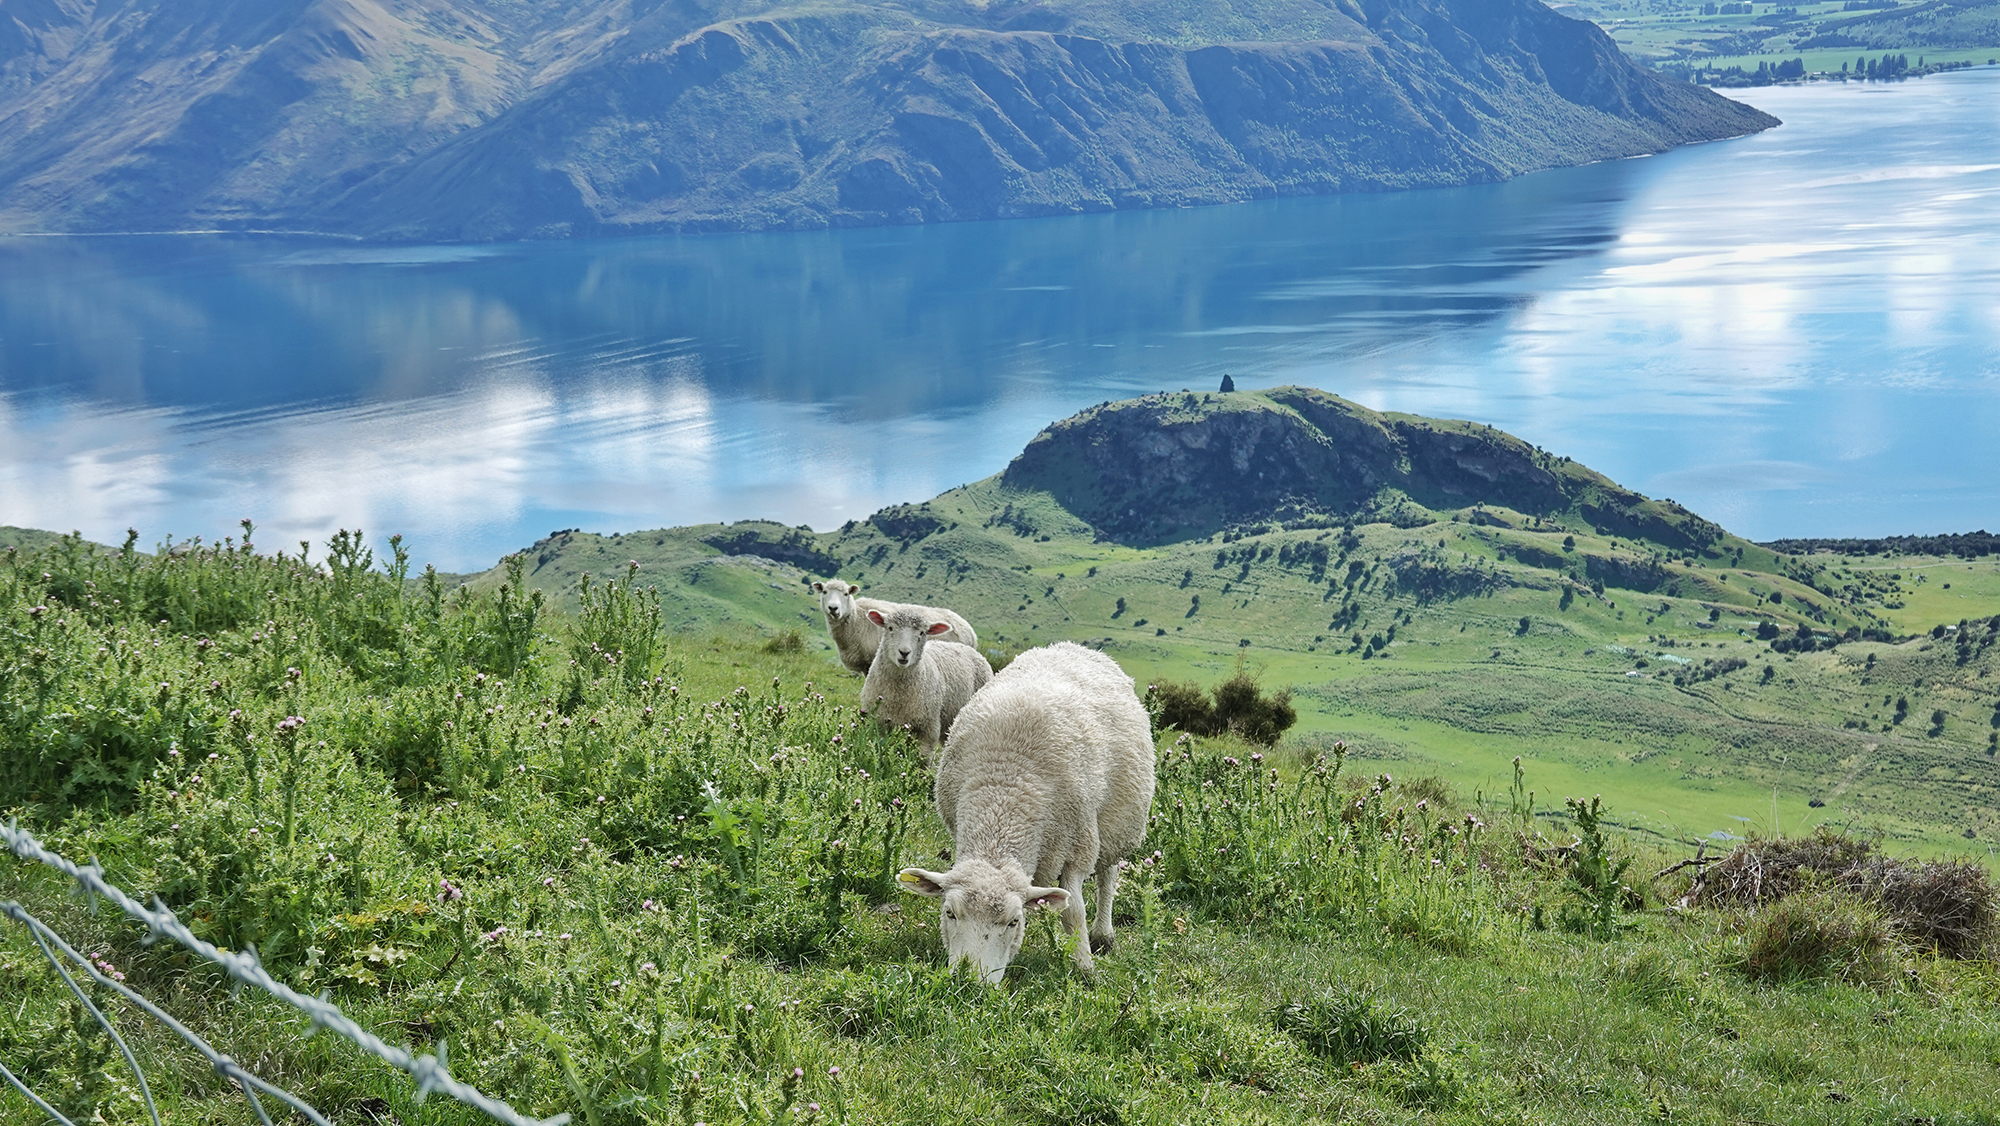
<point>836,598</point>
<point>903,636</point>
<point>985,912</point>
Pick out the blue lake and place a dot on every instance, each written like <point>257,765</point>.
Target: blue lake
<point>1793,333</point>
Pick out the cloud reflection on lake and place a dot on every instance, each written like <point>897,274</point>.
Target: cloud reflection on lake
<point>1783,341</point>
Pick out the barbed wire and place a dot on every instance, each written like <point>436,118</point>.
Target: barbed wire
<point>431,1072</point>
<point>222,1064</point>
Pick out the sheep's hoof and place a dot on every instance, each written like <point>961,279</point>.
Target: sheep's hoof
<point>1100,944</point>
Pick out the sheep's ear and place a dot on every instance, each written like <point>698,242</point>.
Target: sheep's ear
<point>938,628</point>
<point>1047,899</point>
<point>819,588</point>
<point>916,881</point>
<point>876,617</point>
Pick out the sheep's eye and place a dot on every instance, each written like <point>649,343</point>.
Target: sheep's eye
<point>951,914</point>
<point>1013,922</point>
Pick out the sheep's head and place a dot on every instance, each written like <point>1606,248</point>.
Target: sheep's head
<point>836,598</point>
<point>904,632</point>
<point>985,911</point>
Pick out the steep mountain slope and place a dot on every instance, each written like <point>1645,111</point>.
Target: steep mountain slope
<point>430,119</point>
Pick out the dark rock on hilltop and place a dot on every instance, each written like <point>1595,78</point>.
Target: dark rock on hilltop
<point>454,120</point>
<point>1172,466</point>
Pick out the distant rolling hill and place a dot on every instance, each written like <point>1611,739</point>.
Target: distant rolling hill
<point>1938,23</point>
<point>1441,594</point>
<point>450,120</point>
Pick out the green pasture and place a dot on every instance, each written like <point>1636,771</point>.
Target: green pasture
<point>1457,684</point>
<point>647,878</point>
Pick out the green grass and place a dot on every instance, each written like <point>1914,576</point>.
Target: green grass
<point>672,862</point>
<point>1459,689</point>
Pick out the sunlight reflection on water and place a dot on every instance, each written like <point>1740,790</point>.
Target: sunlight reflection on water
<point>1784,340</point>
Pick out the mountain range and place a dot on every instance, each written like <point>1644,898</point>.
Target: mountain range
<point>452,120</point>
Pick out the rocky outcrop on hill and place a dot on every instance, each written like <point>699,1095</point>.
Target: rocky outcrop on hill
<point>1176,465</point>
<point>446,119</point>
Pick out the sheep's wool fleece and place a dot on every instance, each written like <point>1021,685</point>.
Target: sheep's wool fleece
<point>1050,765</point>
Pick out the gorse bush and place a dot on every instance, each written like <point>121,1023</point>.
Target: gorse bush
<point>1237,706</point>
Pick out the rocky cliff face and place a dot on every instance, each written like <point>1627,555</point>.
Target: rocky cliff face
<point>1172,466</point>
<point>446,119</point>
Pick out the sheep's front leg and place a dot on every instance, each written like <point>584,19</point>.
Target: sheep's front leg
<point>1107,892</point>
<point>1073,919</point>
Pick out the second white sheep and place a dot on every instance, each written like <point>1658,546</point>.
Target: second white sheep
<point>918,679</point>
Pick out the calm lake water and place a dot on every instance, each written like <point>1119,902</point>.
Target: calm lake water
<point>1793,333</point>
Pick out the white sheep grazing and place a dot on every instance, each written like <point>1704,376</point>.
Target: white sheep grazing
<point>856,638</point>
<point>918,679</point>
<point>1047,778</point>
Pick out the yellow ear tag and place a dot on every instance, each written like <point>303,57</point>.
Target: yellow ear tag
<point>909,877</point>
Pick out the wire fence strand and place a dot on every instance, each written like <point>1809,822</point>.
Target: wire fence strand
<point>243,967</point>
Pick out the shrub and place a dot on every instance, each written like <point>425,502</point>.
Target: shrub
<point>1818,935</point>
<point>1951,906</point>
<point>1236,705</point>
<point>1242,708</point>
<point>1181,705</point>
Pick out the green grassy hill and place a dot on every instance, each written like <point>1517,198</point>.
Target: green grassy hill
<point>649,881</point>
<point>1440,594</point>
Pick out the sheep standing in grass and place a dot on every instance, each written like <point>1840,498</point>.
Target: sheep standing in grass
<point>1047,778</point>
<point>918,679</point>
<point>856,638</point>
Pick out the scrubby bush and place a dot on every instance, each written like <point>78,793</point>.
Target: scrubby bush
<point>1237,705</point>
<point>1952,906</point>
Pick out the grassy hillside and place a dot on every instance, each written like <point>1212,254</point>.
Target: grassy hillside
<point>649,881</point>
<point>1826,33</point>
<point>1610,639</point>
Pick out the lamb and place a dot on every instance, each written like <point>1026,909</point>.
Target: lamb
<point>918,679</point>
<point>856,638</point>
<point>1047,777</point>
